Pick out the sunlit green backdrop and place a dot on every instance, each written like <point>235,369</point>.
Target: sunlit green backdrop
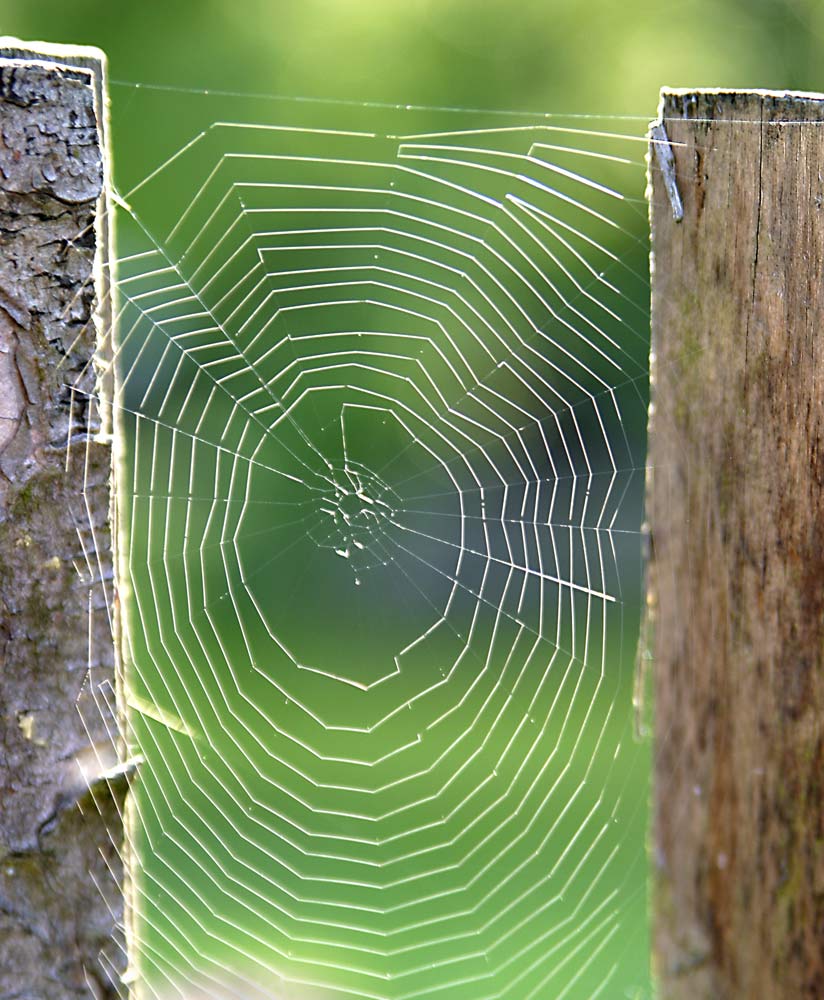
<point>600,58</point>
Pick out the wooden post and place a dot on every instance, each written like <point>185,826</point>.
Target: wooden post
<point>736,509</point>
<point>60,902</point>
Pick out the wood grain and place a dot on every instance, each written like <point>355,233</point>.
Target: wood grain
<point>736,508</point>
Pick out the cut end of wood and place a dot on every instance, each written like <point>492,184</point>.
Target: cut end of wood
<point>741,92</point>
<point>717,103</point>
<point>16,48</point>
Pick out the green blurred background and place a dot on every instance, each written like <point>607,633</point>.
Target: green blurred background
<point>558,55</point>
<point>599,57</point>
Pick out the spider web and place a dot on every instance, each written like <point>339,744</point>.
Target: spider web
<point>381,388</point>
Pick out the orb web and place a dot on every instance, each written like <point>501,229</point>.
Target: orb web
<point>381,391</point>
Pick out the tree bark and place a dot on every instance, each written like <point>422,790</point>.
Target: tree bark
<point>736,507</point>
<point>60,901</point>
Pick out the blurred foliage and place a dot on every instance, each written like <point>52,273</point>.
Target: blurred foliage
<point>558,55</point>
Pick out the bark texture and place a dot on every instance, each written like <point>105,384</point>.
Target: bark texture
<point>59,864</point>
<point>736,507</point>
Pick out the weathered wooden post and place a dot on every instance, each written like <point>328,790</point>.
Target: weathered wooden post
<point>59,865</point>
<point>736,508</point>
